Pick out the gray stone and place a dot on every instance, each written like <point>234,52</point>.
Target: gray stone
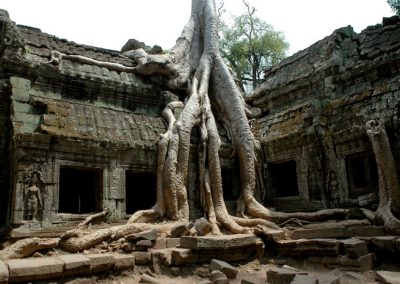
<point>304,279</point>
<point>329,279</point>
<point>75,264</point>
<point>143,245</point>
<point>172,242</point>
<point>282,275</point>
<point>308,247</point>
<point>202,226</point>
<point>181,256</point>
<point>387,243</point>
<point>142,257</point>
<point>218,277</point>
<point>363,263</point>
<point>30,269</point>
<point>178,230</point>
<point>101,262</point>
<point>355,248</point>
<point>4,273</point>
<point>218,242</point>
<point>150,235</point>
<point>317,233</point>
<point>225,267</point>
<point>160,243</point>
<point>389,277</point>
<point>124,261</point>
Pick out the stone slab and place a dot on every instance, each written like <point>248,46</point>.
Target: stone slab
<point>354,247</point>
<point>124,261</point>
<point>101,262</point>
<point>172,242</point>
<point>281,275</point>
<point>224,267</point>
<point>304,279</point>
<point>29,269</point>
<point>308,247</point>
<point>385,243</point>
<point>218,242</point>
<point>4,273</point>
<point>361,264</point>
<point>75,264</point>
<point>388,277</point>
<point>142,257</point>
<point>317,233</point>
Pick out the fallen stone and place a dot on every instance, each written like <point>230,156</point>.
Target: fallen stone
<point>363,263</point>
<point>225,267</point>
<point>218,277</point>
<point>29,269</point>
<point>124,261</point>
<point>181,256</point>
<point>202,272</point>
<point>142,257</point>
<point>150,235</point>
<point>282,275</point>
<point>218,242</point>
<point>355,248</point>
<point>202,226</point>
<point>178,231</point>
<point>75,264</point>
<point>143,245</point>
<point>4,273</point>
<point>389,277</point>
<point>101,262</point>
<point>304,279</point>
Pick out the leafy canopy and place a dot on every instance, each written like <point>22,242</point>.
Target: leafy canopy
<point>395,5</point>
<point>250,45</point>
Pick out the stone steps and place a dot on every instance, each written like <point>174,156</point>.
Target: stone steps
<point>338,232</point>
<point>56,267</point>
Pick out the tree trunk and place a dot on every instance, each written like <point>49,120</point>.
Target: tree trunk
<point>389,189</point>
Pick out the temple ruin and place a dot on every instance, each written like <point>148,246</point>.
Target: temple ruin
<point>77,138</point>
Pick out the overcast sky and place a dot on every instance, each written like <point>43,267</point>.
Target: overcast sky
<point>109,24</point>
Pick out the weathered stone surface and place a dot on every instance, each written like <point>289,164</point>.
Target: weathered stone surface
<point>218,242</point>
<point>304,279</point>
<point>329,279</point>
<point>225,267</point>
<point>142,257</point>
<point>160,243</point>
<point>317,233</point>
<point>386,243</point>
<point>150,235</point>
<point>218,277</point>
<point>178,230</point>
<point>101,262</point>
<point>30,269</point>
<point>143,245</point>
<point>202,226</point>
<point>308,247</point>
<point>281,275</point>
<point>183,256</point>
<point>389,277</point>
<point>363,263</point>
<point>355,248</point>
<point>4,273</point>
<point>75,264</point>
<point>124,261</point>
<point>172,242</point>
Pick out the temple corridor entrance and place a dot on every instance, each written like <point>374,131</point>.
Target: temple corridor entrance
<point>141,191</point>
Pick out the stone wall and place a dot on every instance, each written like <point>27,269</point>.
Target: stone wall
<point>318,102</point>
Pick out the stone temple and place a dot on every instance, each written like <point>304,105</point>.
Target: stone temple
<point>76,138</point>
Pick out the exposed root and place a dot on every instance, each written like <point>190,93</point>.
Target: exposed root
<point>90,218</point>
<point>27,247</point>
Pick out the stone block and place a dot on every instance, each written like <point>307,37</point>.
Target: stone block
<point>225,267</point>
<point>124,261</point>
<point>363,263</point>
<point>304,279</point>
<point>142,257</point>
<point>218,242</point>
<point>202,226</point>
<point>317,233</point>
<point>160,243</point>
<point>75,264</point>
<point>178,230</point>
<point>355,248</point>
<point>388,277</point>
<point>173,242</point>
<point>150,235</point>
<point>20,83</point>
<point>181,256</point>
<point>4,273</point>
<point>386,243</point>
<point>101,262</point>
<point>143,245</point>
<point>364,231</point>
<point>329,279</point>
<point>29,269</point>
<point>282,275</point>
<point>218,277</point>
<point>308,247</point>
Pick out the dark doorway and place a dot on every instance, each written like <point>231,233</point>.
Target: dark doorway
<point>141,191</point>
<point>230,184</point>
<point>362,174</point>
<point>80,190</point>
<point>283,179</point>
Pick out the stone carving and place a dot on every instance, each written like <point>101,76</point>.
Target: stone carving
<point>33,197</point>
<point>333,189</point>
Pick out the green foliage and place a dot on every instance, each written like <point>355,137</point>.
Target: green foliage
<point>395,5</point>
<point>250,45</point>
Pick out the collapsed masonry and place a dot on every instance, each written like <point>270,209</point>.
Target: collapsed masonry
<point>77,138</point>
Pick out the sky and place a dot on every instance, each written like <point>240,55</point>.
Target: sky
<point>109,24</point>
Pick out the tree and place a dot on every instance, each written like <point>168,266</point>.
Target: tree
<point>250,46</point>
<point>395,5</point>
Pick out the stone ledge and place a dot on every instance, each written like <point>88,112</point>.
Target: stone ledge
<point>218,242</point>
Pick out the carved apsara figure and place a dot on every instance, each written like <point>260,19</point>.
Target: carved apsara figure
<point>33,199</point>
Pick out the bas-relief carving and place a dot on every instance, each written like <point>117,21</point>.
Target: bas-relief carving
<point>33,202</point>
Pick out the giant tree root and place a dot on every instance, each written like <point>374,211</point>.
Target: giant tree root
<point>27,247</point>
